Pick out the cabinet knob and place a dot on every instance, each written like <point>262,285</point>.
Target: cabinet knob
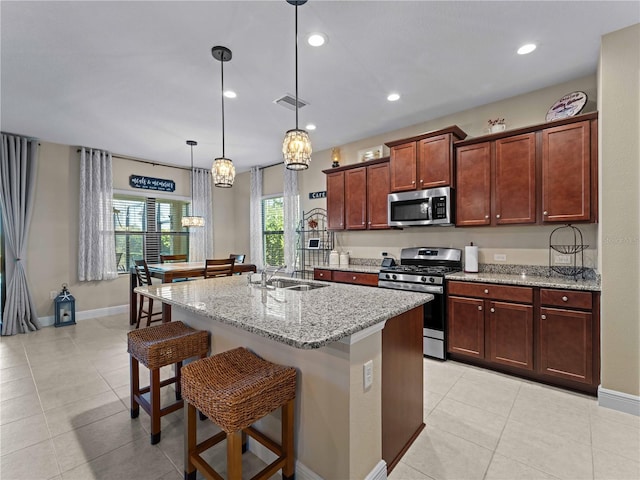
<point>486,216</point>
<point>421,181</point>
<point>545,213</point>
<point>493,310</point>
<point>565,299</point>
<point>369,223</point>
<point>479,307</point>
<point>543,317</point>
<point>486,291</point>
<point>413,181</point>
<point>322,274</point>
<point>498,216</point>
<point>363,223</point>
<point>354,278</point>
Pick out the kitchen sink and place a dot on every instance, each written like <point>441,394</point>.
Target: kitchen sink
<point>294,285</point>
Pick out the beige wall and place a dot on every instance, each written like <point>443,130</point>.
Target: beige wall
<point>619,104</point>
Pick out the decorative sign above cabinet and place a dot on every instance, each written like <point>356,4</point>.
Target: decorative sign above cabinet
<point>314,195</point>
<point>150,183</point>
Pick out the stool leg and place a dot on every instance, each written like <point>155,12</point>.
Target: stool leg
<point>234,455</point>
<point>288,471</point>
<point>244,442</point>
<point>178,384</point>
<point>189,440</point>
<point>154,394</point>
<point>134,380</point>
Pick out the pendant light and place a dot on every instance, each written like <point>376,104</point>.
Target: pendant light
<point>191,220</point>
<point>296,147</point>
<point>223,170</point>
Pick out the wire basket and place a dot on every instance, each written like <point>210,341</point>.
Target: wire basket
<point>567,240</point>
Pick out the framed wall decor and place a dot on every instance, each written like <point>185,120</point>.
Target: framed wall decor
<point>372,153</point>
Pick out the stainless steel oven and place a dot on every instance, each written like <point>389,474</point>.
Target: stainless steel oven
<point>423,269</point>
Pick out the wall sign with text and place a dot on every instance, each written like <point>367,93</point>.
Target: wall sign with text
<point>313,195</point>
<point>150,183</point>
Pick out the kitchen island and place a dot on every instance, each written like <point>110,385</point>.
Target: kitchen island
<point>348,425</point>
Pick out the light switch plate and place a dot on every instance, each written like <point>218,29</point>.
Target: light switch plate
<point>499,257</point>
<point>367,371</point>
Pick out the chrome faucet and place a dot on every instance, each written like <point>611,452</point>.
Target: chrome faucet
<point>264,279</point>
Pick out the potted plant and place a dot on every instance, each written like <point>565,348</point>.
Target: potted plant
<point>496,125</point>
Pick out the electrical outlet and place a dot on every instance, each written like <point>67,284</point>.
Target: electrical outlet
<point>367,371</point>
<point>563,259</point>
<point>499,257</point>
<point>384,254</point>
<point>53,294</point>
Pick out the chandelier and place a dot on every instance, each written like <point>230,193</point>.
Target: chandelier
<point>192,220</point>
<point>222,170</point>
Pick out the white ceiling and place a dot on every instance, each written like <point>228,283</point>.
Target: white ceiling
<point>138,78</point>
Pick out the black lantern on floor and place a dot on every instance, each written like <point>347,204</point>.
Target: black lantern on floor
<point>65,307</point>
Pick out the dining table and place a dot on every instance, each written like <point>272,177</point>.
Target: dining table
<point>167,273</point>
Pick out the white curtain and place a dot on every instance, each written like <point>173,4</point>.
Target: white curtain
<point>96,249</point>
<point>291,218</point>
<point>18,166</point>
<point>255,217</point>
<point>201,239</point>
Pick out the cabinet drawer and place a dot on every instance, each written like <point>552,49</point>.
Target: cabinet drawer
<point>490,290</point>
<point>566,298</point>
<point>320,274</point>
<point>370,279</point>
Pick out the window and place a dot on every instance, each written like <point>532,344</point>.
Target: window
<point>273,230</point>
<point>146,228</point>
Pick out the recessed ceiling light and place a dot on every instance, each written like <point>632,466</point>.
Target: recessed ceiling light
<point>310,126</point>
<point>392,97</point>
<point>230,94</point>
<point>528,48</point>
<point>317,39</point>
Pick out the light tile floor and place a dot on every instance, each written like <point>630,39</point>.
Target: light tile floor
<point>64,414</point>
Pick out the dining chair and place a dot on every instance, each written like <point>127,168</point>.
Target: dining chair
<point>173,258</point>
<point>145,307</point>
<point>222,267</point>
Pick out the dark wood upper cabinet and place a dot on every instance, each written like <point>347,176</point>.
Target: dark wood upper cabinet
<point>473,180</point>
<point>424,161</point>
<point>335,200</point>
<point>541,174</point>
<point>515,180</point>
<point>357,195</point>
<point>355,189</point>
<point>566,173</point>
<point>403,170</point>
<point>378,184</point>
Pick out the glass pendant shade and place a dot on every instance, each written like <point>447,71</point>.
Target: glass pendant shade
<point>192,221</point>
<point>224,173</point>
<point>296,149</point>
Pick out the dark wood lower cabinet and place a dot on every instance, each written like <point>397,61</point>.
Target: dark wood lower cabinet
<point>549,335</point>
<point>402,384</point>
<point>511,334</point>
<point>566,344</point>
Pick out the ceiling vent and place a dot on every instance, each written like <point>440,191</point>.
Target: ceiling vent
<point>289,101</point>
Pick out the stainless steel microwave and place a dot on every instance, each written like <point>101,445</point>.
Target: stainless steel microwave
<point>432,206</point>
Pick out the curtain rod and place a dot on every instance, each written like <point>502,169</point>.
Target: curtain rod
<point>134,159</point>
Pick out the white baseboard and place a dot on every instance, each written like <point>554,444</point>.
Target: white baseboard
<point>303,472</point>
<point>623,402</point>
<point>87,314</point>
<point>379,472</point>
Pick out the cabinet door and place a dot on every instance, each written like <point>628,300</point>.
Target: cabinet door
<point>473,180</point>
<point>511,334</point>
<point>403,167</point>
<point>566,344</point>
<point>566,173</point>
<point>335,201</point>
<point>377,193</point>
<point>355,190</point>
<point>465,324</point>
<point>515,174</point>
<point>435,168</point>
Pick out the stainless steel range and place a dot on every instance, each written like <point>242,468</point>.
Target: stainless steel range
<point>422,269</point>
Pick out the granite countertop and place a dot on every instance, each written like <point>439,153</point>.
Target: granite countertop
<point>306,320</point>
<point>527,280</point>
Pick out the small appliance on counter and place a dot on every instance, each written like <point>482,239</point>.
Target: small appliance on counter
<point>471,258</point>
<point>344,259</point>
<point>334,258</point>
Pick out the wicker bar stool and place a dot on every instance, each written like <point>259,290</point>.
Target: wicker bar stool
<point>235,389</point>
<point>156,347</point>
